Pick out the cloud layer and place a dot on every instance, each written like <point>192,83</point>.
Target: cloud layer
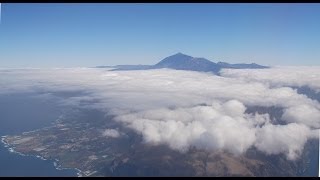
<point>280,76</point>
<point>184,108</point>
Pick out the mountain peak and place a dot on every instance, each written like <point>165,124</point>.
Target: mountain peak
<point>181,61</point>
<point>179,54</point>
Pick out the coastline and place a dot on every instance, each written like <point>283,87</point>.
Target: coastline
<point>55,161</point>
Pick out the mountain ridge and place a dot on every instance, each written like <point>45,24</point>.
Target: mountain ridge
<point>180,61</point>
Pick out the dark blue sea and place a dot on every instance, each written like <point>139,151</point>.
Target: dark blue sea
<point>20,113</point>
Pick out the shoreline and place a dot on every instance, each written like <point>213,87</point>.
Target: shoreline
<point>56,164</point>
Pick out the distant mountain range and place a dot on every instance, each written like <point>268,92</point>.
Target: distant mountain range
<point>181,61</point>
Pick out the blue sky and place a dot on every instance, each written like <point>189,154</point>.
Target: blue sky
<point>73,35</point>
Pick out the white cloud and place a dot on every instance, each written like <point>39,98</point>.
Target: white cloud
<point>304,114</point>
<point>221,126</point>
<point>113,133</point>
<point>288,139</point>
<point>280,76</point>
<point>184,108</point>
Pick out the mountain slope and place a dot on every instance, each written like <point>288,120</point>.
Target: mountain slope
<point>184,62</point>
<point>241,66</point>
<point>181,61</point>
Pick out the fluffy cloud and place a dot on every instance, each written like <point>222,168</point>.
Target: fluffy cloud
<point>304,114</point>
<point>184,108</point>
<point>113,133</point>
<point>288,139</point>
<point>210,127</point>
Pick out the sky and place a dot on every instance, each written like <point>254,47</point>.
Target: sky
<point>86,35</point>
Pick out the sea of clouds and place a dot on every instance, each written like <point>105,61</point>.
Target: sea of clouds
<point>184,108</point>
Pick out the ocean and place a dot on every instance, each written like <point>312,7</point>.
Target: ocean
<point>20,113</point>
